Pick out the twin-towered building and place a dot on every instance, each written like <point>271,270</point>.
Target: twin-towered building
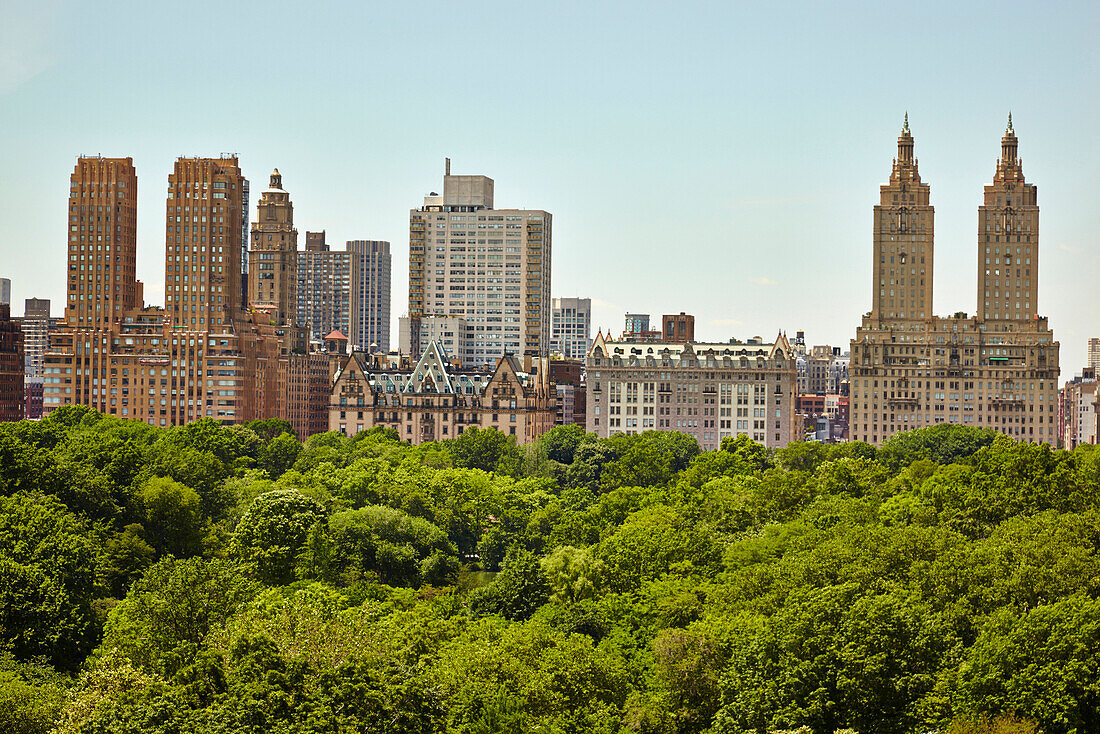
<point>211,351</point>
<point>232,342</point>
<point>996,369</point>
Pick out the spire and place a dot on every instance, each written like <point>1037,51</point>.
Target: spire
<point>905,143</point>
<point>905,127</point>
<point>1008,167</point>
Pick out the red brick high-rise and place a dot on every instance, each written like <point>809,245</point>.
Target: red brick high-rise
<point>11,367</point>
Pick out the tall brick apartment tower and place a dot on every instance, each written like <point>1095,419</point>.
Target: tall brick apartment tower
<point>164,366</point>
<point>997,369</point>
<point>273,258</point>
<point>100,283</point>
<point>11,367</point>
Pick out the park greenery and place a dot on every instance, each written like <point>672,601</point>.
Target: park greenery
<point>217,579</point>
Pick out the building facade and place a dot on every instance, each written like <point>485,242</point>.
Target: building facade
<point>711,391</point>
<point>571,327</point>
<point>204,354</point>
<point>678,327</point>
<point>999,369</point>
<point>369,300</point>
<point>1077,410</point>
<point>324,288</point>
<point>569,382</point>
<point>489,266</point>
<point>36,325</point>
<point>1094,352</point>
<point>453,333</point>
<point>823,370</point>
<point>432,400</point>
<point>636,328</point>
<point>5,291</point>
<point>11,367</point>
<point>273,258</point>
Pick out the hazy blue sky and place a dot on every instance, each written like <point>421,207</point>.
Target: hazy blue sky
<point>717,158</point>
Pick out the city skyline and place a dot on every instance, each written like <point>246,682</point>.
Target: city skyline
<point>769,179</point>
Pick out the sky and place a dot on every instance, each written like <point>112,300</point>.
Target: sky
<point>721,159</point>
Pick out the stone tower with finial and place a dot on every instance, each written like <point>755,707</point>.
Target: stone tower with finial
<point>273,257</point>
<point>904,231</point>
<point>1008,240</point>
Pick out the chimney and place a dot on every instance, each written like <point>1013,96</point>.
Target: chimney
<point>447,167</point>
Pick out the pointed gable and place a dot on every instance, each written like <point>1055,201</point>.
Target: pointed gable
<point>598,343</point>
<point>782,346</point>
<point>431,375</point>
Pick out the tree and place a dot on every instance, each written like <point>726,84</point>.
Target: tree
<point>561,442</point>
<point>487,449</point>
<point>650,543</point>
<point>518,590</point>
<point>573,574</point>
<point>273,532</point>
<point>1040,664</point>
<point>49,569</point>
<point>128,555</point>
<point>172,516</point>
<point>269,429</point>
<point>279,454</point>
<point>382,543</point>
<point>171,610</point>
<point>944,443</point>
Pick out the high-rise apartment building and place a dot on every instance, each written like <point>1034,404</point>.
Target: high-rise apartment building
<point>36,325</point>
<point>273,258</point>
<point>102,282</point>
<point>453,333</point>
<point>204,244</point>
<point>5,291</point>
<point>324,288</point>
<point>204,355</point>
<point>36,334</point>
<point>1094,353</point>
<point>489,266</point>
<point>369,299</point>
<point>998,369</point>
<point>571,327</point>
<point>101,286</point>
<point>11,367</point>
<point>710,391</point>
<point>1008,241</point>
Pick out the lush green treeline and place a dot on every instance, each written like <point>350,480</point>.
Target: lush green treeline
<point>208,579</point>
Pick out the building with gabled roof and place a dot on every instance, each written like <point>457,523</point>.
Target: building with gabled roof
<point>708,390</point>
<point>433,399</point>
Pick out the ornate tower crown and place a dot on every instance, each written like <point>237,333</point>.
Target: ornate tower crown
<point>276,179</point>
<point>905,165</point>
<point>1009,167</point>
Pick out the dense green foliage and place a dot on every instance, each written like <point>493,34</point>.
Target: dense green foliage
<point>210,579</point>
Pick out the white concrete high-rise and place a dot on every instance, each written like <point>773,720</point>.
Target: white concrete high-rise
<point>571,327</point>
<point>488,266</point>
